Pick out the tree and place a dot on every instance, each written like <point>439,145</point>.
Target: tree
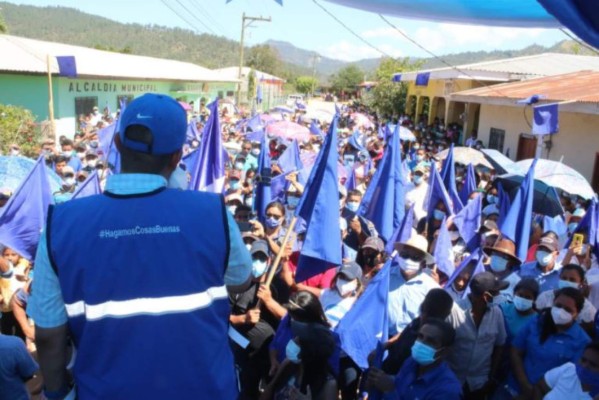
<point>251,85</point>
<point>3,26</point>
<point>17,125</point>
<point>264,58</point>
<point>305,84</point>
<point>388,98</point>
<point>347,78</point>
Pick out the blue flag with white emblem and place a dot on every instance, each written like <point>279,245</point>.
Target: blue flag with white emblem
<point>262,192</point>
<point>209,171</point>
<point>469,184</point>
<point>545,119</point>
<point>89,187</point>
<point>448,176</point>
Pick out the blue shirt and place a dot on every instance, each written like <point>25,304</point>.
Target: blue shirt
<point>514,321</point>
<point>16,366</point>
<point>558,348</point>
<point>546,281</point>
<point>437,383</point>
<point>46,305</point>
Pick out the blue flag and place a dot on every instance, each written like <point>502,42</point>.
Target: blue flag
<point>516,225</point>
<point>89,187</point>
<point>448,176</point>
<point>545,119</point>
<point>443,253</point>
<point>350,183</point>
<point>24,215</point>
<point>255,136</point>
<point>356,141</point>
<point>337,110</point>
<point>436,193</point>
<point>255,123</point>
<point>67,66</point>
<point>108,148</point>
<point>403,232</point>
<point>396,78</point>
<point>367,322</point>
<point>122,104</point>
<point>504,203</point>
<point>259,95</point>
<point>589,226</point>
<point>422,78</point>
<point>192,132</point>
<point>384,201</point>
<point>290,160</point>
<point>475,256</point>
<point>531,99</point>
<point>262,192</point>
<point>209,171</point>
<point>469,185</point>
<point>319,207</point>
<point>315,130</point>
<point>468,222</point>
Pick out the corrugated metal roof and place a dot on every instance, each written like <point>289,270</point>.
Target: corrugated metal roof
<point>233,73</point>
<point>30,56</point>
<point>546,64</point>
<point>582,87</point>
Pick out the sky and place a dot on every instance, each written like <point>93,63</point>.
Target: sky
<point>304,24</point>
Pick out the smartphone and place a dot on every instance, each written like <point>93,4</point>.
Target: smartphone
<point>577,240</point>
<point>245,226</point>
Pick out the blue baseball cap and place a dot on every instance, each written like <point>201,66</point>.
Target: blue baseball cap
<point>163,116</point>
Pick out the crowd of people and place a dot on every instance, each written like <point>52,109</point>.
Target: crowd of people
<point>501,328</point>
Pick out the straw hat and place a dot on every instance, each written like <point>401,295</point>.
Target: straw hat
<point>418,243</point>
<point>506,247</point>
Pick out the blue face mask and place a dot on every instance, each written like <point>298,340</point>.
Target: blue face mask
<point>292,202</point>
<point>522,304</point>
<point>352,206</point>
<point>544,258</point>
<point>272,222</point>
<point>572,227</point>
<point>491,199</point>
<point>417,179</point>
<point>419,157</point>
<point>588,378</point>
<point>423,354</point>
<point>234,184</point>
<point>498,264</point>
<point>259,268</point>
<point>438,215</point>
<point>564,284</point>
<point>292,352</point>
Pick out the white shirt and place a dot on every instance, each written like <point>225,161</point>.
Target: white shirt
<point>335,307</point>
<point>587,314</point>
<point>417,198</point>
<point>564,384</point>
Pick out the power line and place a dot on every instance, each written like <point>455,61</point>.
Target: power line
<point>196,18</point>
<point>565,32</point>
<point>209,17</point>
<point>191,25</point>
<point>352,31</point>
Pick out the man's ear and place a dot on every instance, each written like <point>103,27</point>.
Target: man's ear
<point>117,142</point>
<point>175,159</point>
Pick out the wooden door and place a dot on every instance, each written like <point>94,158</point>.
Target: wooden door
<point>595,181</point>
<point>527,147</point>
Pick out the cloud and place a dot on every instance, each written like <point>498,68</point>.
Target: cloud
<point>353,50</point>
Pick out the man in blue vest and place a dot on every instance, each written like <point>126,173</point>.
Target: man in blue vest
<point>137,277</point>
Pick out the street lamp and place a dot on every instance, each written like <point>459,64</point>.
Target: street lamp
<point>315,59</point>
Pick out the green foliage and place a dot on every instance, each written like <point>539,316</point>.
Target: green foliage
<point>347,78</point>
<point>124,50</point>
<point>305,84</point>
<point>17,125</point>
<point>388,98</point>
<point>3,27</point>
<point>251,85</point>
<point>264,58</point>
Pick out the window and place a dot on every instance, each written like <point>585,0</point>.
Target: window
<point>496,138</point>
<point>230,93</point>
<point>127,97</point>
<point>85,105</point>
<point>221,94</point>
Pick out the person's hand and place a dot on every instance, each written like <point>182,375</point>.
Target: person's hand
<point>276,169</point>
<point>29,332</point>
<point>380,380</point>
<point>274,367</point>
<point>292,177</point>
<point>355,225</point>
<point>264,294</point>
<point>252,316</point>
<point>434,274</point>
<point>258,229</point>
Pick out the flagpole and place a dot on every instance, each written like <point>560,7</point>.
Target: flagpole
<point>50,98</point>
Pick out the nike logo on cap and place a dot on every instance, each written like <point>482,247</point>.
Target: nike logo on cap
<point>139,116</point>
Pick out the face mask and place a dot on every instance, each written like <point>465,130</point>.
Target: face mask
<point>352,206</point>
<point>344,287</point>
<point>232,209</point>
<point>256,152</point>
<point>454,235</point>
<point>258,268</point>
<point>491,199</point>
<point>419,157</point>
<point>563,284</point>
<point>544,258</point>
<point>409,265</point>
<point>292,202</point>
<point>588,378</point>
<point>239,165</point>
<point>423,354</point>
<point>249,201</point>
<point>272,222</point>
<point>438,215</point>
<point>522,304</point>
<point>248,246</point>
<point>178,180</point>
<point>417,179</point>
<point>92,163</point>
<point>81,155</point>
<point>572,227</point>
<point>67,154</point>
<point>234,184</point>
<point>69,182</point>
<point>560,316</point>
<point>292,352</point>
<point>498,264</point>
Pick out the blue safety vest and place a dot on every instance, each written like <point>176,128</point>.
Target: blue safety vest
<point>142,279</point>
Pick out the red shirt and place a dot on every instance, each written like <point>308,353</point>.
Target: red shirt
<point>320,281</point>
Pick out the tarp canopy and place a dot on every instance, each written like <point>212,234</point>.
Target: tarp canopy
<point>580,16</point>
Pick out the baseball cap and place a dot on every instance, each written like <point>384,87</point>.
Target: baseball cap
<point>487,282</point>
<point>68,170</point>
<point>374,243</point>
<point>163,116</point>
<point>550,243</point>
<point>351,270</point>
<point>259,246</point>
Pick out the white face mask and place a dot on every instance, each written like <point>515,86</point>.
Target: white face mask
<point>92,163</point>
<point>344,287</point>
<point>560,316</point>
<point>178,180</point>
<point>409,265</point>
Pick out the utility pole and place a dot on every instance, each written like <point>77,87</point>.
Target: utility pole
<point>246,22</point>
